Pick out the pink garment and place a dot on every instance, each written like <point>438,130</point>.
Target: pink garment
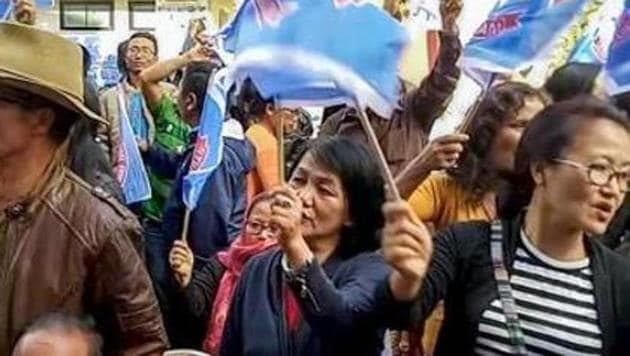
<point>234,259</point>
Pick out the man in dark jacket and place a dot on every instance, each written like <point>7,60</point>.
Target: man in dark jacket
<point>64,245</point>
<point>220,211</point>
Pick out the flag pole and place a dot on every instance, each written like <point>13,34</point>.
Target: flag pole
<point>280,131</point>
<point>184,236</point>
<point>472,112</point>
<point>389,178</point>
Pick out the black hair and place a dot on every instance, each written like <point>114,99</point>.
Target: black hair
<point>500,105</point>
<point>363,186</point>
<point>545,139</point>
<point>148,36</point>
<point>572,79</point>
<point>67,324</point>
<point>121,53</point>
<point>195,80</point>
<point>87,59</point>
<point>233,110</point>
<point>622,101</point>
<point>250,102</point>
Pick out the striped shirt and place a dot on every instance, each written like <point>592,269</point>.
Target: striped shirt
<point>555,305</point>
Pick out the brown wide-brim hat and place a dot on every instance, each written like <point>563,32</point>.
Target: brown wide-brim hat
<point>43,64</point>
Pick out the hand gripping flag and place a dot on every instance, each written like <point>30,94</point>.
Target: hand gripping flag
<point>517,33</point>
<point>618,64</point>
<point>129,170</point>
<point>318,52</point>
<point>7,6</point>
<point>208,150</point>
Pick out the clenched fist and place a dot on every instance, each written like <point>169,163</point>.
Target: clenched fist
<point>181,260</point>
<point>407,247</point>
<point>25,12</point>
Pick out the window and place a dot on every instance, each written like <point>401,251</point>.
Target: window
<point>87,15</point>
<point>142,15</point>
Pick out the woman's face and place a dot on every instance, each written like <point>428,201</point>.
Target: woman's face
<point>601,145</point>
<point>258,225</point>
<point>503,149</point>
<point>325,208</point>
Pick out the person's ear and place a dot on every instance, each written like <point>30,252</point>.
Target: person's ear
<point>190,102</point>
<point>537,170</point>
<point>42,121</point>
<point>269,111</point>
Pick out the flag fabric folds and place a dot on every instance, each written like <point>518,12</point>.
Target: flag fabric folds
<point>285,47</point>
<point>129,170</point>
<point>517,33</point>
<point>208,149</point>
<point>618,64</point>
<point>593,47</point>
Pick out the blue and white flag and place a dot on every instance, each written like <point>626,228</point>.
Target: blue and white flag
<point>318,52</point>
<point>129,168</point>
<point>208,150</point>
<point>593,47</point>
<point>618,64</point>
<point>517,33</point>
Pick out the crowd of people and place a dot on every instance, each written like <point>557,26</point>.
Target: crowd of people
<point>510,237</point>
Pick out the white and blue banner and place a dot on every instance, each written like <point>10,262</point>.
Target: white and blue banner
<point>129,168</point>
<point>618,64</point>
<point>208,149</point>
<point>293,54</point>
<point>517,33</point>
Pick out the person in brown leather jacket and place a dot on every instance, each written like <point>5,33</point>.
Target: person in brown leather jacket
<point>64,245</point>
<point>403,135</point>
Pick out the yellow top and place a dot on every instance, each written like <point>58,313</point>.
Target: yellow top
<point>442,201</point>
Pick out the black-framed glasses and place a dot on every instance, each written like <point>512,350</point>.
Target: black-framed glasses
<point>600,174</point>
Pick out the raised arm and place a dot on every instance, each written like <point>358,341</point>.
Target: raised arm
<point>427,102</point>
<point>441,153</point>
<point>151,77</point>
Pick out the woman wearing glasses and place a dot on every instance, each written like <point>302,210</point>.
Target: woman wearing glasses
<point>206,293</point>
<point>534,282</point>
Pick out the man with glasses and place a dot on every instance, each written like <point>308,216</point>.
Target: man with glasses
<point>141,52</point>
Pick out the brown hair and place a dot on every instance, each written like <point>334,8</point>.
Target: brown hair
<point>501,105</point>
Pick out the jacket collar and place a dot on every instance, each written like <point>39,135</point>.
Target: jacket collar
<point>25,209</point>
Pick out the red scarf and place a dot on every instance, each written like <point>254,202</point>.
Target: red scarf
<point>234,259</point>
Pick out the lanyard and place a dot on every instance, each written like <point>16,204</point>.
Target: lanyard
<point>505,289</point>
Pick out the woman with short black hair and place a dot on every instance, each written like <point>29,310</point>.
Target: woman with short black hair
<point>562,292</point>
<point>323,292</point>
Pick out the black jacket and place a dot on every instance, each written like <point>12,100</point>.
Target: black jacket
<point>193,304</point>
<point>461,273</point>
<point>88,160</point>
